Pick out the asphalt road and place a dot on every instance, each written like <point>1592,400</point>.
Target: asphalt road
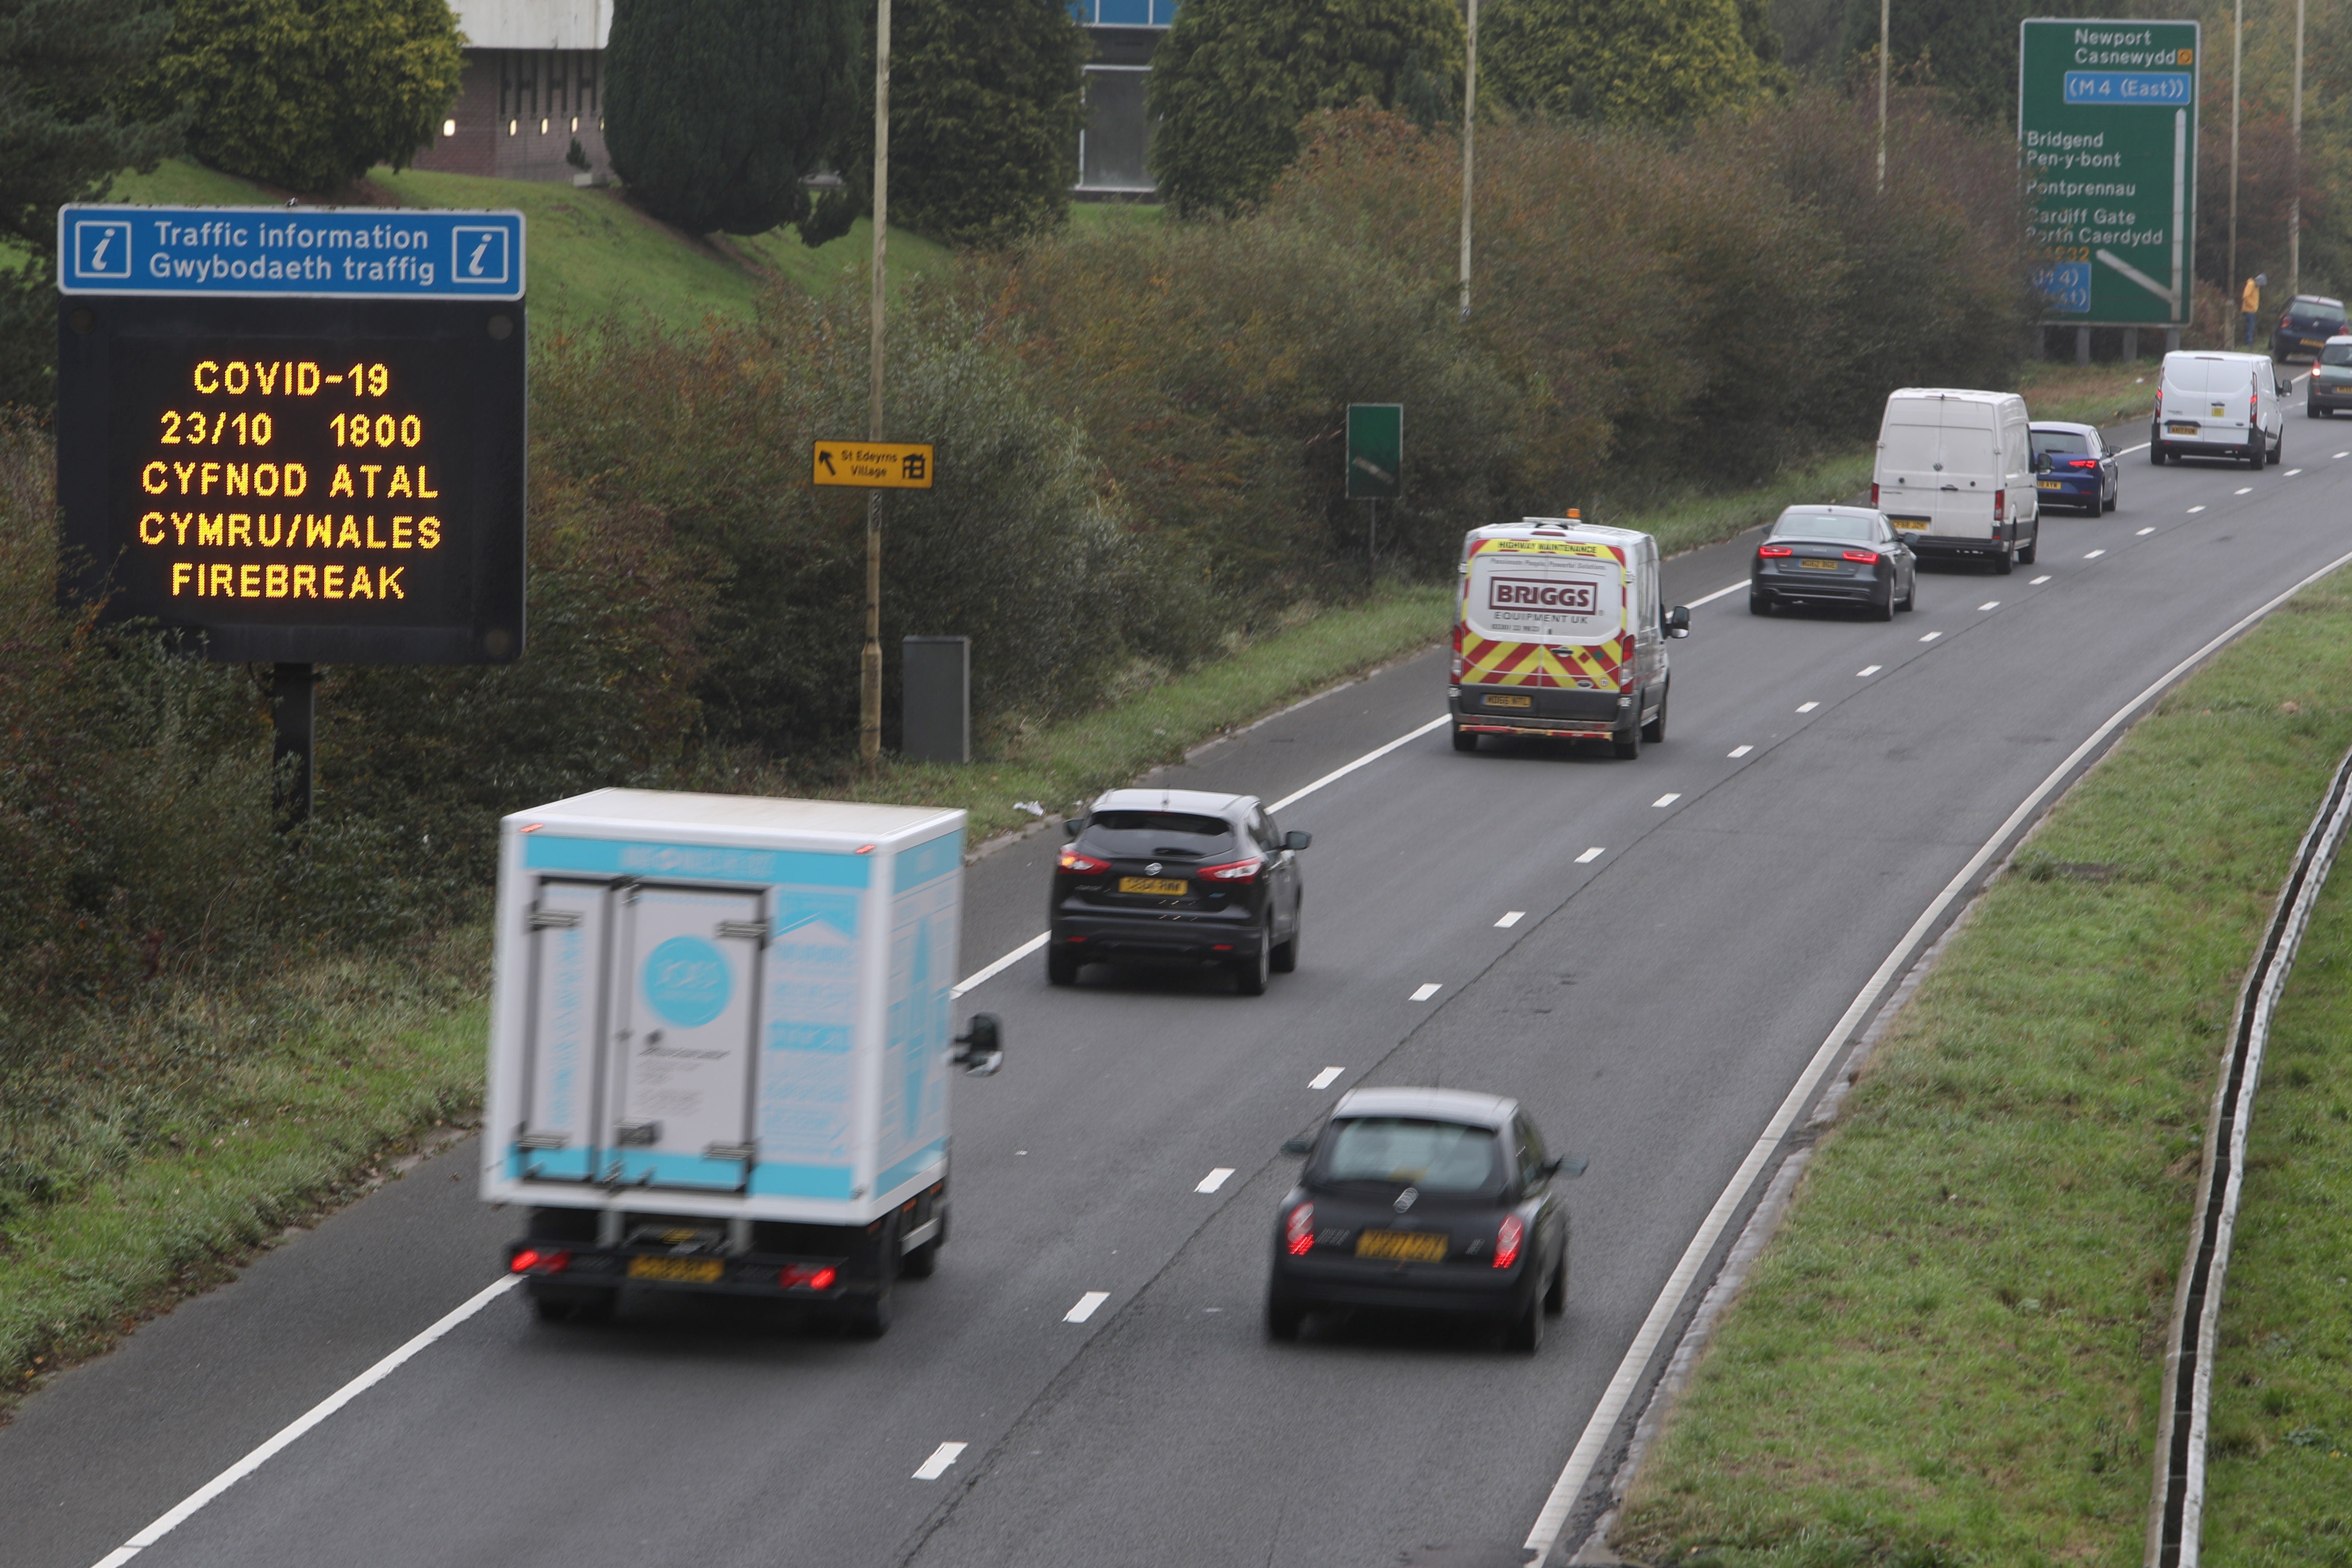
<point>1822,780</point>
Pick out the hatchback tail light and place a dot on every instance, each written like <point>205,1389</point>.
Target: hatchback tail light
<point>1774,550</point>
<point>1233,870</point>
<point>1867,557</point>
<point>1508,1235</point>
<point>1074,861</point>
<point>2082,462</point>
<point>1299,1230</point>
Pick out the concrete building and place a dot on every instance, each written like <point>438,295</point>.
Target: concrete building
<point>534,83</point>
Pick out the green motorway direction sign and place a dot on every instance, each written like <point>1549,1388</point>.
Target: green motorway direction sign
<point>2106,121</point>
<point>1375,451</point>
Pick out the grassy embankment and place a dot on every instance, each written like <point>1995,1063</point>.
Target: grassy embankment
<point>1949,1354</point>
<point>2279,1486</point>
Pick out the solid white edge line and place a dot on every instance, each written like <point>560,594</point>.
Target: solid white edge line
<point>1719,593</point>
<point>1085,1307</point>
<point>979,977</point>
<point>943,1456</point>
<point>286,1433</point>
<point>1552,1519</point>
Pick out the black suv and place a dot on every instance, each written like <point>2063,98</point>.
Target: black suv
<point>2305,325</point>
<point>1176,877</point>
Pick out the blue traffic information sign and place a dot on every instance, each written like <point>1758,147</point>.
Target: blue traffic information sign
<point>350,253</point>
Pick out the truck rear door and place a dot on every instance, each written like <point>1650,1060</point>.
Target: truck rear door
<point>1546,613</point>
<point>685,1017</point>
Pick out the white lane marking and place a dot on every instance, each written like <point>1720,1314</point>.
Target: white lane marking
<point>2128,451</point>
<point>2039,581</point>
<point>1085,1307</point>
<point>943,1456</point>
<point>1325,1079</point>
<point>1868,670</point>
<point>1214,1179</point>
<point>1719,593</point>
<point>1424,992</point>
<point>1739,750</point>
<point>1565,1491</point>
<point>1931,636</point>
<point>2195,509</point>
<point>2143,533</point>
<point>1667,799</point>
<point>1590,856</point>
<point>1807,707</point>
<point>286,1433</point>
<point>1990,604</point>
<point>1374,755</point>
<point>2094,554</point>
<point>983,976</point>
<point>1510,918</point>
<point>2340,455</point>
<point>2290,473</point>
<point>2247,490</point>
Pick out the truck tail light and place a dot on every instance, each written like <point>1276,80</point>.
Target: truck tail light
<point>1873,492</point>
<point>530,1260</point>
<point>1233,870</point>
<point>1774,550</point>
<point>1074,861</point>
<point>1299,1230</point>
<point>1999,506</point>
<point>1508,1238</point>
<point>1867,557</point>
<point>813,1276</point>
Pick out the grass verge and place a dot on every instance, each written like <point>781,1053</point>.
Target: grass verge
<point>2279,1481</point>
<point>1949,1354</point>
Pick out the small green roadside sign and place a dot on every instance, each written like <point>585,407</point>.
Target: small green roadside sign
<point>1375,451</point>
<point>2106,123</point>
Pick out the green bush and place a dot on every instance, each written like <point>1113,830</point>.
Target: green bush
<point>309,94</point>
<point>986,103</point>
<point>1662,62</point>
<point>1233,79</point>
<point>715,112</point>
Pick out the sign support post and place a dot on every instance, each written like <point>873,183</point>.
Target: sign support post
<point>870,682</point>
<point>1375,464</point>
<point>294,728</point>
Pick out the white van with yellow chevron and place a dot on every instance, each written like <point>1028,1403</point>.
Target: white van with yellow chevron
<point>1559,631</point>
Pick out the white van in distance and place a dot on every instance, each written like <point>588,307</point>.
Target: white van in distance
<point>1955,475</point>
<point>2215,403</point>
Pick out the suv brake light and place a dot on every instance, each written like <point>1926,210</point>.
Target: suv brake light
<point>1299,1230</point>
<point>1233,871</point>
<point>1508,1238</point>
<point>1074,861</point>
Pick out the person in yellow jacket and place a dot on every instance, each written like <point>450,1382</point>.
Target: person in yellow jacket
<point>2250,302</point>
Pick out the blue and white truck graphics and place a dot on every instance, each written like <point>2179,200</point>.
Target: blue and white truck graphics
<point>720,1044</point>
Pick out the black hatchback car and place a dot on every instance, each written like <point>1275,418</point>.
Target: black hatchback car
<point>1833,555</point>
<point>2305,325</point>
<point>1177,877</point>
<point>1424,1199</point>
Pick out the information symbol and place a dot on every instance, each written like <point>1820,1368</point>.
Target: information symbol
<point>101,249</point>
<point>478,255</point>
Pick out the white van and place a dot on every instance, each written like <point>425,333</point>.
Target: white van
<point>2219,405</point>
<point>1956,476</point>
<point>1561,630</point>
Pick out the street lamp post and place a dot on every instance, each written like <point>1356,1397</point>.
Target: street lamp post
<point>1469,122</point>
<point>2237,58</point>
<point>2294,189</point>
<point>869,684</point>
<point>1883,6</point>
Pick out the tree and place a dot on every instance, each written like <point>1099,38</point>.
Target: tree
<point>1626,62</point>
<point>715,110</point>
<point>1234,79</point>
<point>64,64</point>
<point>309,94</point>
<point>987,98</point>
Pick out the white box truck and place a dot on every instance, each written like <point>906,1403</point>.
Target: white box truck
<point>1955,475</point>
<point>720,1046</point>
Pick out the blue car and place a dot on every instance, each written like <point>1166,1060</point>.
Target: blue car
<point>2072,466</point>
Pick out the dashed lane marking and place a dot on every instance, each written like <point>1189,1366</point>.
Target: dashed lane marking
<point>1085,1307</point>
<point>1740,751</point>
<point>2290,473</point>
<point>1868,670</point>
<point>1425,991</point>
<point>1807,707</point>
<point>2094,554</point>
<point>2143,533</point>
<point>2243,490</point>
<point>2039,581</point>
<point>1590,856</point>
<point>2195,509</point>
<point>943,1456</point>
<point>1325,1079</point>
<point>1990,604</point>
<point>1214,1179</point>
<point>1931,636</point>
<point>1667,799</point>
<point>1510,918</point>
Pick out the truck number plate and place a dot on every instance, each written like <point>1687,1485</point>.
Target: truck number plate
<point>1508,701</point>
<point>684,1270</point>
<point>2187,429</point>
<point>1167,887</point>
<point>1910,524</point>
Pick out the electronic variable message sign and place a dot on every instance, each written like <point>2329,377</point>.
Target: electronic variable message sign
<point>296,434</point>
<point>2106,121</point>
